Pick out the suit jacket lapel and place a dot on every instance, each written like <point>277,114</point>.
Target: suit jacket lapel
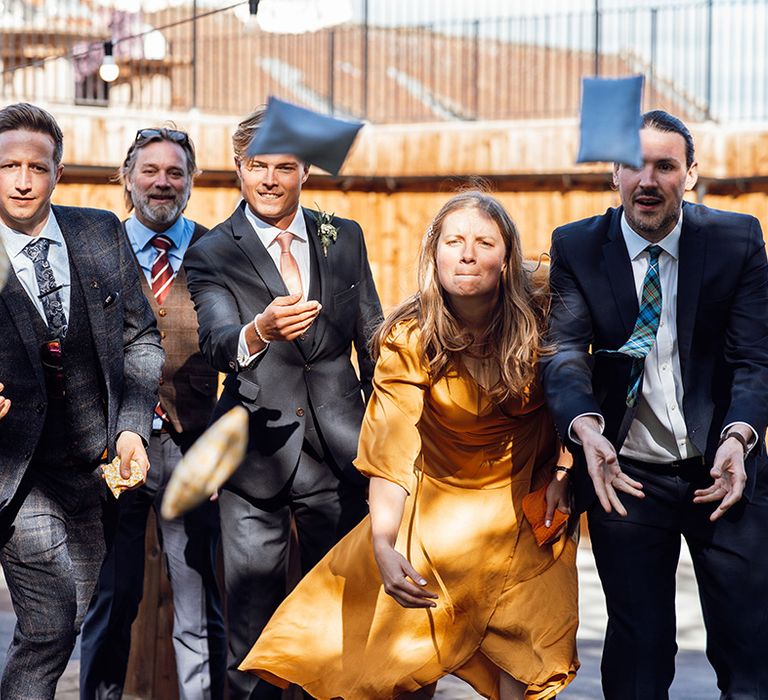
<point>17,304</point>
<point>323,266</point>
<point>619,268</point>
<point>82,246</point>
<point>249,243</point>
<point>689,274</point>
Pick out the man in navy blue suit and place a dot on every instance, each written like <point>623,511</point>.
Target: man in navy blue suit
<point>659,382</point>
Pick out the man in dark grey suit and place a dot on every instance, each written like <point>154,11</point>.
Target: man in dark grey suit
<point>80,359</point>
<point>280,303</point>
<point>157,178</point>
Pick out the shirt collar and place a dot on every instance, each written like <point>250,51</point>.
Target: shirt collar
<point>268,233</point>
<point>142,235</point>
<point>636,244</point>
<point>15,242</point>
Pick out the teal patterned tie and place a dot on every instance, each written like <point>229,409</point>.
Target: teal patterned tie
<point>643,335</point>
<point>37,252</point>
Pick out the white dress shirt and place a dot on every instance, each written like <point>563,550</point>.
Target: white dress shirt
<point>658,433</point>
<point>299,248</point>
<point>24,268</point>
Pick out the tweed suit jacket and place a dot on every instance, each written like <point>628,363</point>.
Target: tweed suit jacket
<point>232,277</point>
<point>722,329</point>
<point>125,339</point>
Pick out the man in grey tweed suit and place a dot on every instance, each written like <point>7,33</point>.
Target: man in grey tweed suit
<point>80,360</point>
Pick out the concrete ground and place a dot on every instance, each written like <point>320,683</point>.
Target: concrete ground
<point>694,679</point>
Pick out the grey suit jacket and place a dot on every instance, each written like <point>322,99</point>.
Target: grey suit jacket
<point>124,335</point>
<point>232,278</point>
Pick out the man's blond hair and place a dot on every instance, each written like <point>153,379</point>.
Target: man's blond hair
<point>245,130</point>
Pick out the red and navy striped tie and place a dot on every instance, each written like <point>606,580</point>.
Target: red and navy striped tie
<point>162,272</point>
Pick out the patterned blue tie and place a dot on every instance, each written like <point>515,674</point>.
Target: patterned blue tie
<point>643,334</point>
<point>37,252</point>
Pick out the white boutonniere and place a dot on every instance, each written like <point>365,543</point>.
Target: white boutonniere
<point>325,229</point>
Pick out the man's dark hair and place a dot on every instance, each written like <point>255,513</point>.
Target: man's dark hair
<point>154,135</point>
<point>28,117</point>
<point>663,121</point>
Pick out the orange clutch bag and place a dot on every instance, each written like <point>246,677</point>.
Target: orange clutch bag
<point>535,511</point>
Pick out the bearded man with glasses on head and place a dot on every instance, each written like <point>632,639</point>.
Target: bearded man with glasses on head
<point>157,176</point>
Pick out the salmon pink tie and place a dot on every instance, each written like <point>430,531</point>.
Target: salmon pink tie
<point>289,268</point>
<point>162,272</point>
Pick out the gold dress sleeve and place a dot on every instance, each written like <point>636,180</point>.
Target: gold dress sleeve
<point>389,437</point>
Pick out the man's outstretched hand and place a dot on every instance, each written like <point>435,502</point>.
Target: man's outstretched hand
<point>603,466</point>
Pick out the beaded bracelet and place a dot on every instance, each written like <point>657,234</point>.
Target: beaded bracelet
<point>258,332</point>
<point>561,468</point>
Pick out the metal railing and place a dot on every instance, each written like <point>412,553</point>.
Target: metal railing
<point>702,59</point>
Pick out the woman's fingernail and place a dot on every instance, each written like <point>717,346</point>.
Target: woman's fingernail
<point>547,523</point>
<point>422,582</point>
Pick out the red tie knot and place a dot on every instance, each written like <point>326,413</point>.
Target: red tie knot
<point>162,243</point>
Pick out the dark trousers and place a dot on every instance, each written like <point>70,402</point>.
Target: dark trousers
<point>255,537</point>
<point>51,557</point>
<point>637,559</point>
<point>189,545</point>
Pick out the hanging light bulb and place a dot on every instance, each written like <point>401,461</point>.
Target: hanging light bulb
<point>109,70</point>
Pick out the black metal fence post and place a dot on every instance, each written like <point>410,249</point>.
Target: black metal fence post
<point>708,70</point>
<point>597,38</point>
<point>365,60</point>
<point>194,54</point>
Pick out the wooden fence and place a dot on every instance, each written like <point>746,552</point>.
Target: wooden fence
<point>394,222</point>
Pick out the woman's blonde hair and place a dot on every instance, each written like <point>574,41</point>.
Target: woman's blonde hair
<point>514,335</point>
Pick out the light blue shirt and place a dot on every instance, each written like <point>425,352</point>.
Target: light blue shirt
<point>24,268</point>
<point>141,237</point>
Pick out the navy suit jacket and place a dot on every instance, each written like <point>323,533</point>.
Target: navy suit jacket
<point>722,329</point>
<point>124,334</point>
<point>232,277</point>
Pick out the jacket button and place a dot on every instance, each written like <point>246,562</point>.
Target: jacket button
<point>299,412</point>
<point>232,364</point>
<point>307,367</point>
<point>302,337</point>
<point>162,311</point>
<point>40,408</point>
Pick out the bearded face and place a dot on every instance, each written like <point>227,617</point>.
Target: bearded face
<point>160,184</point>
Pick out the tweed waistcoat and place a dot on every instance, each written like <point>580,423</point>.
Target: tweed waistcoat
<point>75,430</point>
<point>188,385</point>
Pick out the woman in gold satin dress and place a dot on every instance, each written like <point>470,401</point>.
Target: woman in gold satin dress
<point>445,576</point>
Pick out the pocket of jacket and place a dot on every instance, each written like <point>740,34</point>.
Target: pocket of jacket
<point>202,384</point>
<point>247,390</point>
<point>346,294</point>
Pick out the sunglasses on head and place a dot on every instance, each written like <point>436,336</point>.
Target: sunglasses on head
<point>51,357</point>
<point>180,137</point>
